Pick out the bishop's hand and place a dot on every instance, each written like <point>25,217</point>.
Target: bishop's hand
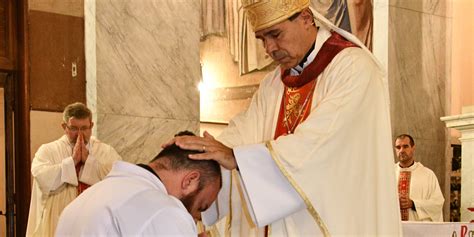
<point>211,148</point>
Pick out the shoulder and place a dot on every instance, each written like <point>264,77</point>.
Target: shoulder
<point>170,221</point>
<point>355,57</point>
<point>425,170</point>
<point>61,142</point>
<point>159,205</point>
<point>160,214</point>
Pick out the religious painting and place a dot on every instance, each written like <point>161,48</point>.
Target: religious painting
<point>355,16</point>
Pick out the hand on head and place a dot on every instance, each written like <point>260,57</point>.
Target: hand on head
<point>211,148</point>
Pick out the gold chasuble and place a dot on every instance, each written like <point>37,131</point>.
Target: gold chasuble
<point>298,93</point>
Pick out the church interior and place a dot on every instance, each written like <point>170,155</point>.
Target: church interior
<point>150,68</point>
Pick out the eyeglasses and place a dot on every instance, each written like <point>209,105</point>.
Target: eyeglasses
<point>76,129</point>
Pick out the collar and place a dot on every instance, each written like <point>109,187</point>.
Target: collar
<point>129,170</point>
<point>147,167</point>
<point>322,35</point>
<point>399,164</point>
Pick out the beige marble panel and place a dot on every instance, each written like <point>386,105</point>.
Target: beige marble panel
<point>435,7</point>
<point>139,139</point>
<point>148,58</point>
<point>91,62</point>
<point>419,72</point>
<point>144,71</point>
<point>65,7</point>
<point>45,127</point>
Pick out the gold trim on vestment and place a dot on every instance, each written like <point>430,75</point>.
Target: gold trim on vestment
<point>245,209</point>
<point>213,232</point>
<point>228,220</point>
<point>309,205</point>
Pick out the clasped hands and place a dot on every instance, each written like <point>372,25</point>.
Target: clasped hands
<point>211,148</point>
<point>405,202</point>
<point>80,152</point>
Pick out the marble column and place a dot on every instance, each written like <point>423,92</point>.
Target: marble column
<point>465,124</point>
<point>142,72</point>
<point>419,74</point>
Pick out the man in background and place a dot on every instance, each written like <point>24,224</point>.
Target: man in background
<point>66,167</point>
<point>418,188</point>
<point>158,199</point>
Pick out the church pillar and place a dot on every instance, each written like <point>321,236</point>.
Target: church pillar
<point>464,123</point>
<point>142,72</point>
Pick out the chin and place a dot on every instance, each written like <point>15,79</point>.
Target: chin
<point>287,65</point>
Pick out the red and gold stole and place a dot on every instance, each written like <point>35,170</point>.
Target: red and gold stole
<point>295,105</point>
<point>404,190</point>
<point>82,186</point>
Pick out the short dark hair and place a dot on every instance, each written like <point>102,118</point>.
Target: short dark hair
<point>178,160</point>
<point>401,136</point>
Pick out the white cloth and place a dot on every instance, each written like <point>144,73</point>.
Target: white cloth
<point>340,157</point>
<point>55,180</point>
<point>130,201</point>
<point>425,193</point>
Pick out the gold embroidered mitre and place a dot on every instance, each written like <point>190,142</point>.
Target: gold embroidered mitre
<point>265,13</point>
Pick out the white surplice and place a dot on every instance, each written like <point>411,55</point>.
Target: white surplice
<point>425,193</point>
<point>55,180</point>
<point>130,201</point>
<point>339,159</point>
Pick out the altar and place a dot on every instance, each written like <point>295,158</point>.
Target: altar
<point>448,229</point>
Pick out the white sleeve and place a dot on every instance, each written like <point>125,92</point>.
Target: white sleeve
<point>50,175</point>
<point>269,195</point>
<point>432,207</point>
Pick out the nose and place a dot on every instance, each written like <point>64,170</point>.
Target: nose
<point>270,46</point>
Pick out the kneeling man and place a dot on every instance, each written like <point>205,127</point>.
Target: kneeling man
<point>158,199</point>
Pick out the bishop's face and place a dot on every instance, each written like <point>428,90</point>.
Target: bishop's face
<point>289,41</point>
<point>404,150</point>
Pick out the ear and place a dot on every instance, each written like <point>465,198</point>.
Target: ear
<point>307,16</point>
<point>190,182</point>
<point>92,124</point>
<point>63,125</point>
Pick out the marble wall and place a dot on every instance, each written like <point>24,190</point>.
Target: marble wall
<point>143,70</point>
<point>419,74</point>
